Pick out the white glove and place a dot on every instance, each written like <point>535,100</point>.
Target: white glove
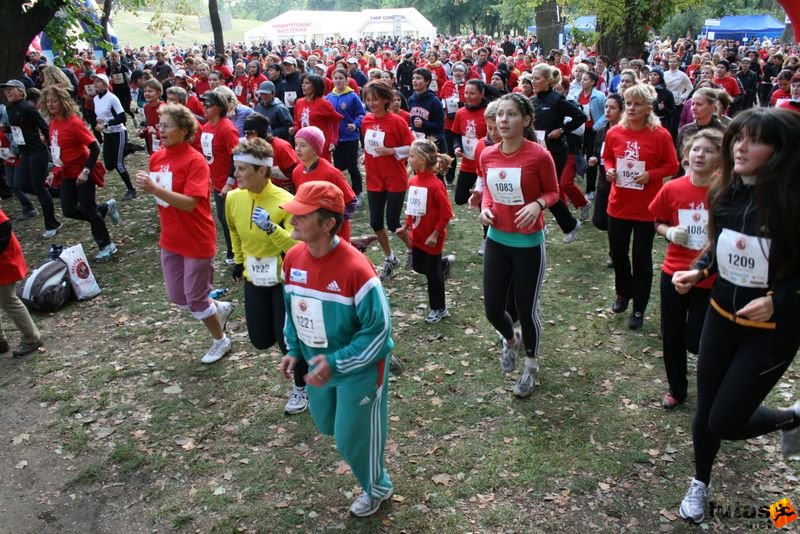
<point>678,235</point>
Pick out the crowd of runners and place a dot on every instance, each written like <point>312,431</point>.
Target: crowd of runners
<point>695,142</point>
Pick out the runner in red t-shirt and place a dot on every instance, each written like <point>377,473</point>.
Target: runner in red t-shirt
<point>179,179</point>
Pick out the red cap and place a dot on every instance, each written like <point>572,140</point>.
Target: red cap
<point>315,195</point>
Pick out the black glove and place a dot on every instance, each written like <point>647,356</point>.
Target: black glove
<point>237,272</point>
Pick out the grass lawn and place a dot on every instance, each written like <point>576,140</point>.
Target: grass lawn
<point>131,27</point>
<point>178,446</point>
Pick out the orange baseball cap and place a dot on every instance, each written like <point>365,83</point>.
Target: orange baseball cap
<point>315,195</point>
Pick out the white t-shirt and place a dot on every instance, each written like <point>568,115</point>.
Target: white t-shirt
<point>103,107</point>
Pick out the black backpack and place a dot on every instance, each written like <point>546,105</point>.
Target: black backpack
<point>47,288</point>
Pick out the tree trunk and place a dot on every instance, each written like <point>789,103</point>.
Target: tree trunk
<point>17,30</point>
<point>548,25</point>
<point>788,34</point>
<point>104,20</point>
<point>216,26</point>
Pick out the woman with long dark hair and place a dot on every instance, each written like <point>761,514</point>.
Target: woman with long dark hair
<point>750,335</point>
<point>520,183</point>
<point>313,109</point>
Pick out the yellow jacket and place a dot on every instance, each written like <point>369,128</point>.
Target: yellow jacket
<point>247,238</point>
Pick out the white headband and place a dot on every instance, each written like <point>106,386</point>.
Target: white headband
<point>248,158</point>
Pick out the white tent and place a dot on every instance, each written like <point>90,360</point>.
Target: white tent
<point>319,25</point>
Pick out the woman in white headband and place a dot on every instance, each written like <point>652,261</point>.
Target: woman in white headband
<point>260,235</point>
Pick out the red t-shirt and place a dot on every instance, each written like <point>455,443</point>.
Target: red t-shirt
<point>201,86</point>
<point>225,71</point>
<point>72,137</point>
<point>484,72</point>
<point>189,233</point>
<point>12,262</point>
<point>778,94</point>
<point>240,89</point>
<point>151,119</point>
<point>284,160</point>
<point>438,213</point>
<point>455,93</point>
<point>326,172</point>
<point>656,150</point>
<point>8,157</point>
<point>253,84</point>
<point>680,194</point>
<point>216,144</point>
<point>566,71</point>
<point>537,172</point>
<point>471,126</point>
<point>386,173</point>
<point>730,85</point>
<point>583,100</point>
<point>405,115</point>
<point>320,113</point>
<point>196,107</point>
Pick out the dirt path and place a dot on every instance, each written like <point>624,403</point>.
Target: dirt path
<point>36,495</point>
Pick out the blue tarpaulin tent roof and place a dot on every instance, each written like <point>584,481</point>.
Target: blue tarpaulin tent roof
<point>586,23</point>
<point>740,26</point>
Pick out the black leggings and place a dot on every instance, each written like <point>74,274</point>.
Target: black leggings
<point>30,176</point>
<point>449,138</point>
<point>681,324</point>
<point>560,211</point>
<point>602,190</point>
<point>465,182</point>
<point>345,158</point>
<point>114,155</point>
<point>219,204</point>
<point>736,369</point>
<point>431,266</point>
<point>634,283</point>
<point>79,202</point>
<point>588,151</point>
<point>265,313</point>
<point>391,204</point>
<point>512,272</point>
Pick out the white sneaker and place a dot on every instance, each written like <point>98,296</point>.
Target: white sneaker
<point>298,401</point>
<point>693,505</point>
<point>573,235</point>
<point>47,234</point>
<point>224,309</point>
<point>219,348</point>
<point>106,252</point>
<point>586,213</point>
<point>527,382</point>
<point>447,265</point>
<point>508,360</point>
<point>113,212</point>
<point>790,439</point>
<point>365,505</point>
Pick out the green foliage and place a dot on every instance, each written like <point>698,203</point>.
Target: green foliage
<point>692,20</point>
<point>71,16</point>
<point>678,25</point>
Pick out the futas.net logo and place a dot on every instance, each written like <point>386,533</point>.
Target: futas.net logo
<point>775,515</point>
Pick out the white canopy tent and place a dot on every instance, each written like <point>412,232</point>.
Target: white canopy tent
<point>319,25</point>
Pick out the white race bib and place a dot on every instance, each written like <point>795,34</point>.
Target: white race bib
<point>6,154</point>
<point>308,321</point>
<point>540,136</point>
<point>118,78</point>
<point>696,223</point>
<point>373,140</point>
<point>504,185</point>
<point>237,90</point>
<point>468,145</point>
<point>417,203</point>
<point>89,88</point>
<point>743,259</point>
<point>156,144</point>
<point>164,181</point>
<point>627,171</point>
<point>16,135</point>
<point>452,104</point>
<point>55,152</point>
<point>291,97</point>
<point>434,86</point>
<point>263,272</point>
<point>207,142</point>
<point>418,135</point>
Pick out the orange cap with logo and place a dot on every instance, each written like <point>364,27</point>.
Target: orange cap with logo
<point>315,195</point>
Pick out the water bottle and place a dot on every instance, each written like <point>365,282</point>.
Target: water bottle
<point>218,293</point>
